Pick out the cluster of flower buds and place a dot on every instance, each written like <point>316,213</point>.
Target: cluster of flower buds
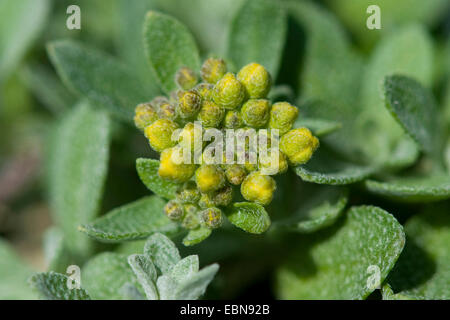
<point>221,101</point>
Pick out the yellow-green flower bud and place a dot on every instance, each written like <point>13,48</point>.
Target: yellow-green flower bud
<point>282,117</point>
<point>209,178</point>
<point>256,80</point>
<point>191,218</point>
<point>213,70</point>
<point>298,145</point>
<point>188,193</point>
<point>159,134</point>
<point>222,197</point>
<point>167,111</point>
<point>175,171</point>
<point>174,210</point>
<point>255,112</point>
<point>205,90</point>
<point>185,78</point>
<point>206,201</point>
<point>144,115</point>
<point>211,114</point>
<point>188,136</point>
<point>258,188</point>
<point>233,119</point>
<point>229,92</point>
<point>189,104</point>
<point>211,217</point>
<point>235,174</point>
<point>271,167</point>
<point>158,101</point>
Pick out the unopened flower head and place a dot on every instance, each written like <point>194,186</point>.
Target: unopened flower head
<point>299,145</point>
<point>145,115</point>
<point>159,134</point>
<point>213,70</point>
<point>185,78</point>
<point>258,188</point>
<point>282,116</point>
<point>229,92</point>
<point>189,104</point>
<point>256,80</point>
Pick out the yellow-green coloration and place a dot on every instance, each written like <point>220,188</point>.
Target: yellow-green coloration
<point>213,70</point>
<point>258,188</point>
<point>211,217</point>
<point>189,104</point>
<point>255,112</point>
<point>233,119</point>
<point>159,134</point>
<point>298,145</point>
<point>209,178</point>
<point>222,197</point>
<point>282,117</point>
<point>256,80</point>
<point>187,136</point>
<point>157,102</point>
<point>235,174</point>
<point>191,218</point>
<point>206,201</point>
<point>174,210</point>
<point>175,171</point>
<point>167,111</point>
<point>188,193</point>
<point>205,90</point>
<point>272,167</point>
<point>211,114</point>
<point>229,92</point>
<point>144,115</point>
<point>185,78</point>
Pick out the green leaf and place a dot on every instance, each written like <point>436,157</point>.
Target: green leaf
<point>20,24</point>
<point>185,268</point>
<point>99,77</point>
<point>166,287</point>
<point>169,45</point>
<point>319,127</point>
<point>249,216</point>
<point>414,108</point>
<point>195,286</point>
<point>53,286</point>
<point>57,256</point>
<point>422,269</point>
<point>148,172</point>
<point>321,208</point>
<point>347,261</point>
<point>106,274</point>
<point>413,189</point>
<point>162,251</point>
<point>145,271</point>
<point>14,274</point>
<point>257,34</point>
<point>326,167</point>
<point>78,165</point>
<point>136,220</point>
<point>196,236</point>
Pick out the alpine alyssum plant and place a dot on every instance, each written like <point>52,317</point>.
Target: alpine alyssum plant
<point>218,99</point>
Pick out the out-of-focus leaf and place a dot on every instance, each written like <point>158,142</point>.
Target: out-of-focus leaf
<point>56,254</point>
<point>319,127</point>
<point>133,221</point>
<point>249,216</point>
<point>99,77</point>
<point>148,172</point>
<point>195,286</point>
<point>53,286</point>
<point>169,45</point>
<point>347,261</point>
<point>257,34</point>
<point>162,251</point>
<point>78,164</point>
<point>196,236</point>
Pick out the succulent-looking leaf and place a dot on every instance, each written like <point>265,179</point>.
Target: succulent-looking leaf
<point>136,220</point>
<point>422,270</point>
<point>54,286</point>
<point>185,268</point>
<point>257,34</point>
<point>413,189</point>
<point>194,287</point>
<point>77,168</point>
<point>162,251</point>
<point>319,127</point>
<point>99,77</point>
<point>169,46</point>
<point>146,274</point>
<point>148,172</point>
<point>346,261</point>
<point>249,216</point>
<point>196,236</point>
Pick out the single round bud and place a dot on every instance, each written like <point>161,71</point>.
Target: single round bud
<point>144,115</point>
<point>235,174</point>
<point>185,78</point>
<point>211,114</point>
<point>159,134</point>
<point>174,210</point>
<point>258,188</point>
<point>175,171</point>
<point>167,111</point>
<point>213,70</point>
<point>270,166</point>
<point>191,137</point>
<point>229,92</point>
<point>282,117</point>
<point>211,217</point>
<point>222,197</point>
<point>189,104</point>
<point>206,201</point>
<point>255,112</point>
<point>158,101</point>
<point>298,145</point>
<point>256,80</point>
<point>189,193</point>
<point>233,119</point>
<point>191,218</point>
<point>205,90</point>
<point>209,178</point>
